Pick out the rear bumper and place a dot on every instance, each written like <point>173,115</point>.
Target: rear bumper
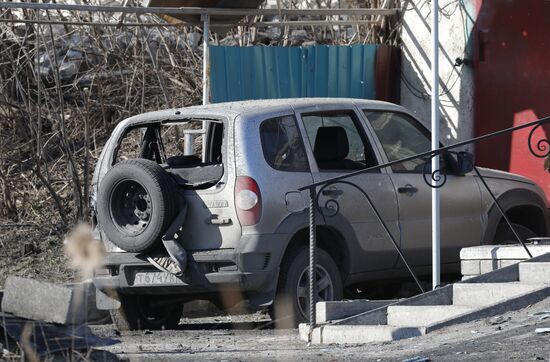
<point>252,271</point>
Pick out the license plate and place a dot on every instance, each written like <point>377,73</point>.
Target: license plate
<point>155,278</point>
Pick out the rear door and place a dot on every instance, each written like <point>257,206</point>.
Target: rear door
<point>337,144</point>
<point>401,136</point>
<point>211,216</point>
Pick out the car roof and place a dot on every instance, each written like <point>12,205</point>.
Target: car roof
<point>251,108</point>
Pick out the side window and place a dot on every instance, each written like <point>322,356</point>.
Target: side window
<point>282,145</point>
<point>140,142</point>
<point>337,142</point>
<point>400,136</point>
<point>130,145</point>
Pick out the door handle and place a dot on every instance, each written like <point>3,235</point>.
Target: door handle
<point>407,189</point>
<point>216,220</point>
<point>332,192</point>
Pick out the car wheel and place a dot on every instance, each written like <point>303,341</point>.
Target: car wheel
<point>136,204</point>
<point>291,305</point>
<point>504,234</point>
<point>139,312</point>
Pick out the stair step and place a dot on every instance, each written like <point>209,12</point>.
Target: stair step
<point>345,334</point>
<point>484,294</point>
<point>424,315</point>
<point>535,272</point>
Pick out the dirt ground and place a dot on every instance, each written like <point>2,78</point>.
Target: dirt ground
<point>510,337</point>
<point>42,258</point>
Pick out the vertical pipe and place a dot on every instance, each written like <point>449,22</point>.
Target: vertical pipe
<point>312,264</point>
<point>188,144</point>
<point>205,75</point>
<point>435,146</point>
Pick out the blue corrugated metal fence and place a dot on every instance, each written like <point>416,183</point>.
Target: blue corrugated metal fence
<point>260,72</point>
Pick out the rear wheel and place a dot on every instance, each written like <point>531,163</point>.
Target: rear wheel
<point>139,312</point>
<point>505,235</point>
<point>291,306</point>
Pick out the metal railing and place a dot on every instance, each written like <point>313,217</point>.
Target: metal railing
<point>433,178</point>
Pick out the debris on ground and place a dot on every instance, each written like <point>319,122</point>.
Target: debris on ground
<point>48,302</point>
<point>497,320</point>
<point>417,359</point>
<point>541,315</point>
<point>40,339</point>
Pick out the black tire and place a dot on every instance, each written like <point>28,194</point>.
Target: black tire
<point>504,234</point>
<point>289,309</point>
<point>138,313</point>
<point>136,204</point>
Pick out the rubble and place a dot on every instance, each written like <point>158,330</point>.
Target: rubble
<point>43,301</point>
<point>38,339</point>
<point>71,304</point>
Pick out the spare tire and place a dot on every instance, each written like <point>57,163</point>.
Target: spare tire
<point>136,204</point>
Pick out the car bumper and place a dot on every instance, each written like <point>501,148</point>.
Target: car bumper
<point>252,270</point>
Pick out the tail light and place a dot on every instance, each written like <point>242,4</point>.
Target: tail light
<point>248,200</point>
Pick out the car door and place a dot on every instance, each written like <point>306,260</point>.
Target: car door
<point>400,136</point>
<point>336,145</point>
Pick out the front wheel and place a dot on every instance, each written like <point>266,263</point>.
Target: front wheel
<point>505,235</point>
<point>138,312</point>
<point>291,306</point>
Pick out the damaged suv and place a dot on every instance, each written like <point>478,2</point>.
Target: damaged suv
<point>202,203</point>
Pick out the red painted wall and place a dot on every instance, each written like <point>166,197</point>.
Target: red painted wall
<point>511,54</point>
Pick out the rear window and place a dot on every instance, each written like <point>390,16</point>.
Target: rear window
<point>178,148</point>
<point>282,145</point>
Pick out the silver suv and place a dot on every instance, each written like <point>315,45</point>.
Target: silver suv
<point>203,203</point>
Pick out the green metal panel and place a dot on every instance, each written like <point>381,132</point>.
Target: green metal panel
<point>260,72</point>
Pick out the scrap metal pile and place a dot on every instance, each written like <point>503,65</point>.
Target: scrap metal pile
<point>62,90</point>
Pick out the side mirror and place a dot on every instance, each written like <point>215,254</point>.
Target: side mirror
<point>465,162</point>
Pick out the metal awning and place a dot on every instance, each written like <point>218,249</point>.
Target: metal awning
<point>218,4</point>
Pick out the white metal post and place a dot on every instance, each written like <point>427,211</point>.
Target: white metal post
<point>205,75</point>
<point>205,60</point>
<point>435,145</point>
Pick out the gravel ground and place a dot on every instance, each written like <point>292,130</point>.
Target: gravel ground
<point>252,337</point>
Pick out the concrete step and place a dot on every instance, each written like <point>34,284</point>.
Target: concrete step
<point>344,334</point>
<point>424,315</point>
<point>329,311</point>
<point>535,272</point>
<point>483,294</point>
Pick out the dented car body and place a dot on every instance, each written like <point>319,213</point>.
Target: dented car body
<point>245,225</point>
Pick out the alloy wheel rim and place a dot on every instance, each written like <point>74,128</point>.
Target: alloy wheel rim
<point>325,289</point>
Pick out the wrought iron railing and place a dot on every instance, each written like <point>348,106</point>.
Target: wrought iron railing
<point>433,178</point>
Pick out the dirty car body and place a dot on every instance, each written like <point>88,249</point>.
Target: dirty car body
<point>244,243</point>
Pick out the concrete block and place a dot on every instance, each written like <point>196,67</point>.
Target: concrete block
<point>535,272</point>
<point>507,262</point>
<point>470,267</point>
<point>483,294</point>
<point>477,267</point>
<point>443,296</point>
<point>372,317</point>
<point>84,294</point>
<point>487,266</point>
<point>492,252</point>
<point>339,334</point>
<point>424,315</point>
<point>53,303</point>
<point>503,275</point>
<point>327,311</point>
